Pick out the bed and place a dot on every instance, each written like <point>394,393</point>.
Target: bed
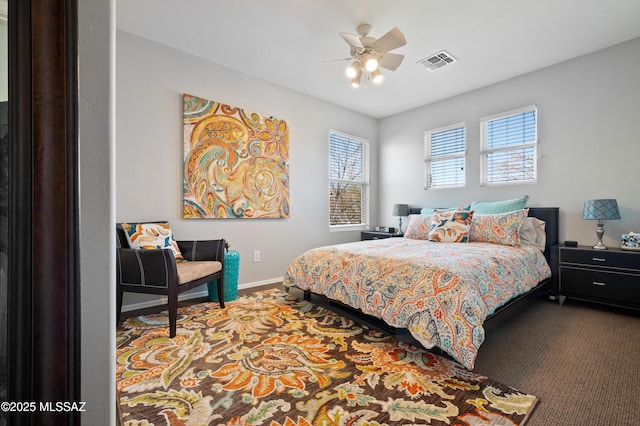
<point>440,293</point>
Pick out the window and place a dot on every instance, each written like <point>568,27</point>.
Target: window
<point>348,181</point>
<point>445,149</point>
<point>509,147</point>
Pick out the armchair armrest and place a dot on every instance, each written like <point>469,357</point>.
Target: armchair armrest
<point>150,268</point>
<point>203,250</point>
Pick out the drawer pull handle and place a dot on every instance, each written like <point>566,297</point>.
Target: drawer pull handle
<point>599,284</point>
<point>598,259</point>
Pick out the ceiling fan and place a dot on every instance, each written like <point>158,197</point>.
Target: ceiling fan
<point>370,54</point>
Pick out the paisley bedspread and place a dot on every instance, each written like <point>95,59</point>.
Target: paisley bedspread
<point>440,292</point>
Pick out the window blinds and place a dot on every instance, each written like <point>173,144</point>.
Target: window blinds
<point>348,180</point>
<point>445,157</point>
<point>510,146</point>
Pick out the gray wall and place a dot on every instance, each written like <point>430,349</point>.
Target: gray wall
<point>151,81</point>
<point>97,239</point>
<point>588,126</point>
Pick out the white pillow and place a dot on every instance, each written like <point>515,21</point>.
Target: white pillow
<point>533,233</point>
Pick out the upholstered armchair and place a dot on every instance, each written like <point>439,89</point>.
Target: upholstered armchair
<point>149,260</point>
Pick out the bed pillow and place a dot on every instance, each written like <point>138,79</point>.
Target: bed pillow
<point>533,233</point>
<point>418,227</point>
<point>496,207</point>
<point>152,236</point>
<point>430,210</point>
<point>501,228</point>
<point>451,227</point>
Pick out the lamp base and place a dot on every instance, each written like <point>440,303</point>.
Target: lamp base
<point>600,233</point>
<point>600,246</point>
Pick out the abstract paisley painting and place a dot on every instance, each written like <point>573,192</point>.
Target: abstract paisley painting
<point>236,163</point>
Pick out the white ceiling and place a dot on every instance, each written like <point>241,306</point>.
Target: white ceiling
<point>287,42</point>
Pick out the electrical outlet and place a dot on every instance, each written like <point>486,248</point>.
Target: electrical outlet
<point>256,256</point>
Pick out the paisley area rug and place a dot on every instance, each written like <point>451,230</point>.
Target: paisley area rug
<point>271,359</point>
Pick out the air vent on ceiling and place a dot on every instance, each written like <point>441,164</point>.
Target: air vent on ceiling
<point>437,60</point>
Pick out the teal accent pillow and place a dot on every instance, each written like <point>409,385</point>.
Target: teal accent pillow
<point>428,211</point>
<point>497,207</point>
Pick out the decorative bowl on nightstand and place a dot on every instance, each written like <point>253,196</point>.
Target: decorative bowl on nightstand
<point>630,241</point>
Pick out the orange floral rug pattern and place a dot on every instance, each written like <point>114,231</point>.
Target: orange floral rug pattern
<point>271,359</point>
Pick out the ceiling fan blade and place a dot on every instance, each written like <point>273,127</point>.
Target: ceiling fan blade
<point>352,40</point>
<point>391,61</point>
<point>338,60</point>
<point>391,40</point>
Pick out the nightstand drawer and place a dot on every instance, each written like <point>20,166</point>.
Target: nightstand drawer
<point>377,235</point>
<point>618,287</point>
<point>370,236</point>
<point>603,258</point>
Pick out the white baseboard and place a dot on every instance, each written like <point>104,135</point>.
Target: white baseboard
<point>162,300</point>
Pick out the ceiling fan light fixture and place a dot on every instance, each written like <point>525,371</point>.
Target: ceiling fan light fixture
<point>370,62</point>
<point>367,55</point>
<point>354,68</point>
<point>376,76</point>
<point>355,81</point>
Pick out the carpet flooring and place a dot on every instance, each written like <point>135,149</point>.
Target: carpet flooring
<point>582,360</point>
<point>273,359</point>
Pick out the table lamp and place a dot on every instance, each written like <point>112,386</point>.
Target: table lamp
<point>606,209</point>
<point>400,210</point>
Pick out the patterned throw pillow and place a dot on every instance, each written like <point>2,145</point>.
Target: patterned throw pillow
<point>451,227</point>
<point>418,227</point>
<point>430,210</point>
<point>498,228</point>
<point>151,236</point>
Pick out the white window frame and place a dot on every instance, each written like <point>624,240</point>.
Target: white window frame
<point>485,151</point>
<point>364,182</point>
<point>429,159</point>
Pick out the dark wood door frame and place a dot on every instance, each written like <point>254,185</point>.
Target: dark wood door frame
<point>43,258</point>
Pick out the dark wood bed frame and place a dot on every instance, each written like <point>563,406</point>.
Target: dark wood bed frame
<point>550,215</point>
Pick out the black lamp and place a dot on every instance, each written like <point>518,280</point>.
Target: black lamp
<point>400,210</point>
<point>600,210</point>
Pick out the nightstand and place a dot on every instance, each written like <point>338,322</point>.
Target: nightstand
<point>378,235</point>
<point>608,276</point>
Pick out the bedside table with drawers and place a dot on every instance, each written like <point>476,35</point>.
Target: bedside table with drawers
<point>608,276</point>
<point>378,235</point>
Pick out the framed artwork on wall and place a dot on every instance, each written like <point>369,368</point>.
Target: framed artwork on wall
<point>236,163</point>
